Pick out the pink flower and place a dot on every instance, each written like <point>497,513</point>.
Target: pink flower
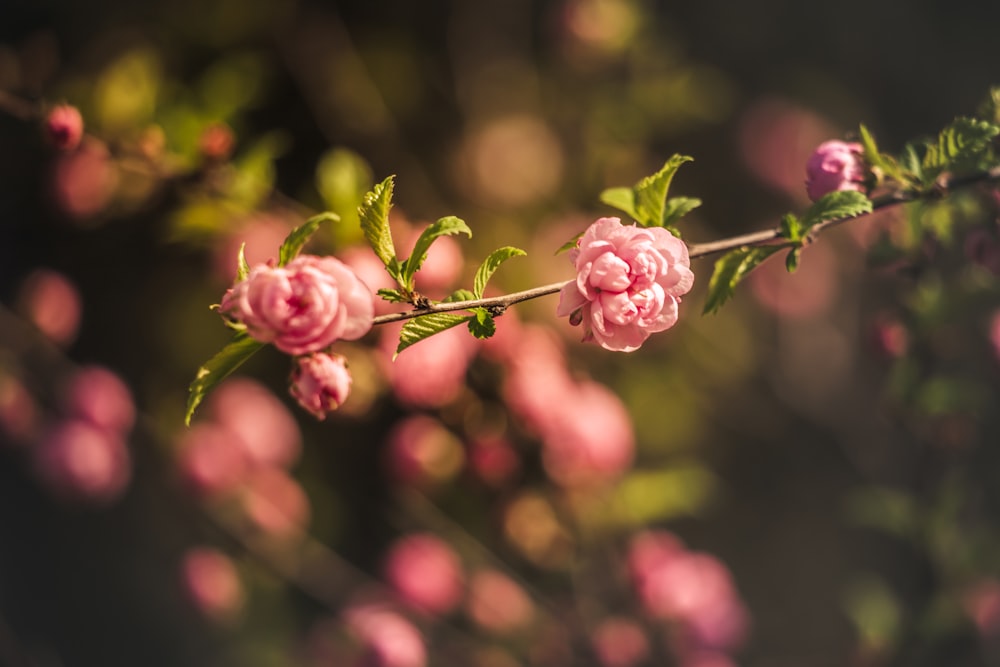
<point>320,383</point>
<point>212,583</point>
<point>425,572</point>
<point>620,642</point>
<point>834,165</point>
<point>100,397</point>
<point>422,452</point>
<point>628,284</point>
<point>497,603</point>
<point>80,461</point>
<point>265,428</point>
<point>302,307</point>
<point>212,459</point>
<point>275,504</point>
<point>431,373</point>
<point>52,303</point>
<point>388,639</point>
<point>64,127</point>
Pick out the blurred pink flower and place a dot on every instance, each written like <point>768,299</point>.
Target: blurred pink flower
<point>388,639</point>
<point>216,142</point>
<point>79,461</point>
<point>52,303</point>
<point>890,337</point>
<point>620,642</point>
<point>302,307</point>
<point>981,603</point>
<point>101,397</point>
<point>64,127</point>
<point>834,165</point>
<point>431,373</point>
<point>493,460</point>
<point>536,374</point>
<point>589,439</point>
<point>425,572</point>
<point>369,268</point>
<point>260,235</point>
<point>212,583</point>
<point>274,503</point>
<point>707,659</point>
<point>267,430</point>
<point>628,285</point>
<point>497,603</point>
<point>212,459</point>
<point>650,551</point>
<point>85,180</point>
<point>422,452</point>
<point>320,383</point>
<point>809,292</point>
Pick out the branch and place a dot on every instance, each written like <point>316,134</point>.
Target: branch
<point>501,303</point>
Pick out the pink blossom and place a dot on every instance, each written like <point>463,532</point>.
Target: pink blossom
<point>629,283</point>
<point>981,603</point>
<point>425,572</point>
<point>212,583</point>
<point>275,504</point>
<point>100,397</point>
<point>835,165</point>
<point>493,460</point>
<point>260,235</point>
<point>320,383</point>
<point>85,180</point>
<point>212,459</point>
<point>302,307</point>
<point>421,452</point>
<point>52,303</point>
<point>589,439</point>
<point>620,642</point>
<point>650,551</point>
<point>64,127</point>
<point>266,429</point>
<point>432,372</point>
<point>536,373</point>
<point>497,603</point>
<point>78,460</point>
<point>388,639</point>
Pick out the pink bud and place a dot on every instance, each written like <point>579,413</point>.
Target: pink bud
<point>422,452</point>
<point>425,572</point>
<point>835,165</point>
<point>64,127</point>
<point>890,337</point>
<point>497,603</point>
<point>320,383</point>
<point>212,459</point>
<point>216,142</point>
<point>100,397</point>
<point>388,639</point>
<point>212,583</point>
<point>267,429</point>
<point>52,303</point>
<point>275,504</point>
<point>80,461</point>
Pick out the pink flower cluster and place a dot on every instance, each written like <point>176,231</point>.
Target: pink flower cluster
<point>692,590</point>
<point>835,165</point>
<point>629,283</point>
<point>303,308</point>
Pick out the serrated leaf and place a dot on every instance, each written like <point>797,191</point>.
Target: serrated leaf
<point>569,245</point>
<point>961,145</point>
<point>459,295</point>
<point>622,199</point>
<point>374,215</point>
<point>880,161</point>
<point>216,369</point>
<point>490,265</point>
<point>482,324</point>
<point>732,268</point>
<point>676,208</point>
<point>392,296</point>
<point>298,237</point>
<point>837,205</point>
<point>448,226</point>
<point>425,326</point>
<point>651,192</point>
<point>242,268</point>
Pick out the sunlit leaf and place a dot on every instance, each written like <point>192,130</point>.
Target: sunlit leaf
<point>447,226</point>
<point>677,207</point>
<point>216,369</point>
<point>482,324</point>
<point>392,296</point>
<point>425,326</point>
<point>960,146</point>
<point>569,245</point>
<point>298,237</point>
<point>242,268</point>
<point>622,199</point>
<point>374,215</point>
<point>490,265</point>
<point>651,192</point>
<point>732,268</point>
<point>837,205</point>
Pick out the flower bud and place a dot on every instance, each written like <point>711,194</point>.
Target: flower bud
<point>834,165</point>
<point>64,127</point>
<point>320,383</point>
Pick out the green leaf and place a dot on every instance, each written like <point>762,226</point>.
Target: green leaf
<point>792,260</point>
<point>425,326</point>
<point>877,160</point>
<point>490,265</point>
<point>960,146</point>
<point>791,228</point>
<point>730,269</point>
<point>374,214</point>
<point>448,226</point>
<point>569,245</point>
<point>460,295</point>
<point>837,205</point>
<point>677,207</point>
<point>298,237</point>
<point>392,296</point>
<point>216,369</point>
<point>482,324</point>
<point>622,199</point>
<point>242,268</point>
<point>651,192</point>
